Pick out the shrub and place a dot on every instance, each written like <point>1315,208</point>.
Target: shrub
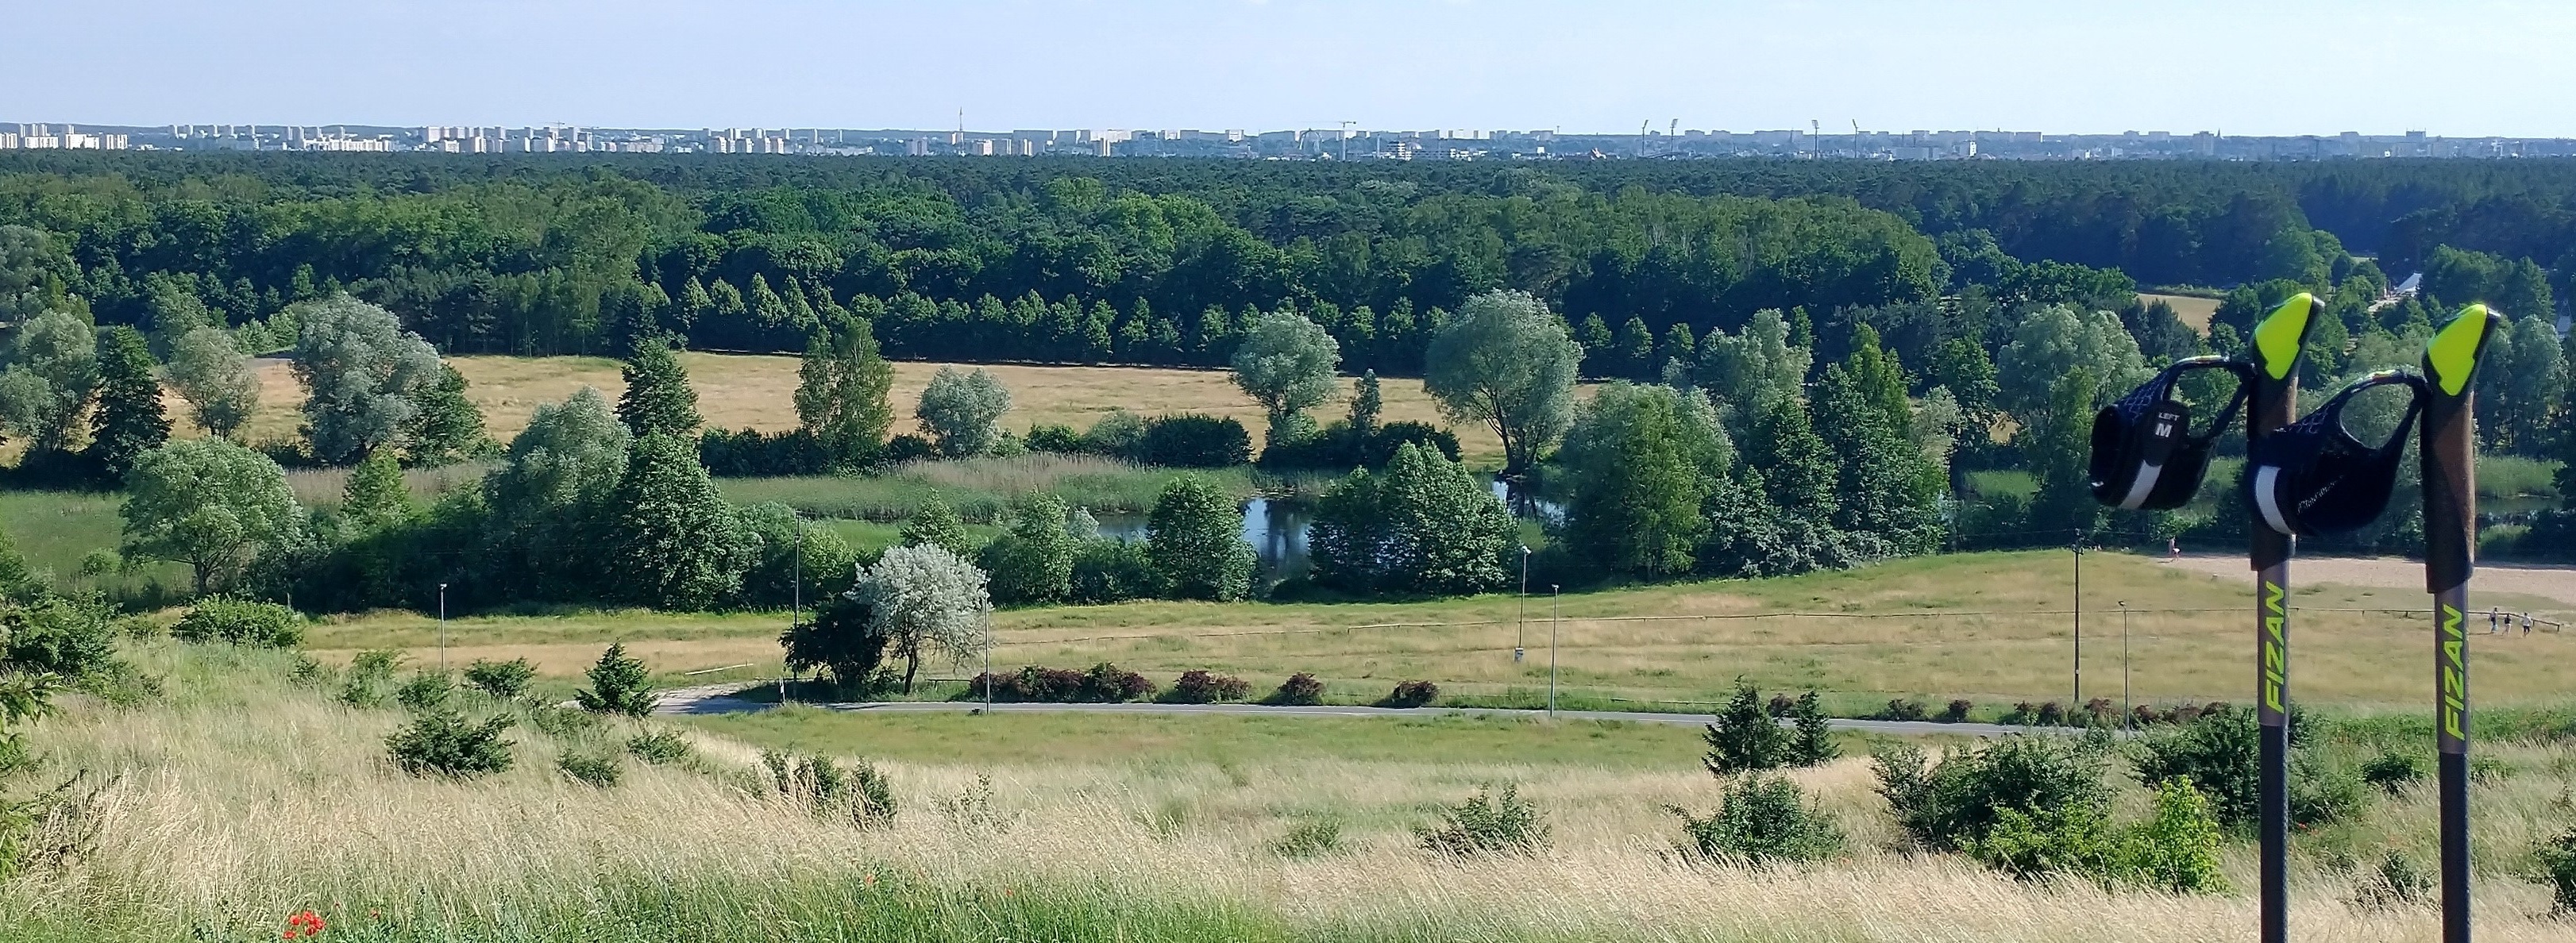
<point>752,453</point>
<point>1191,440</point>
<point>1104,683</point>
<point>660,747</point>
<point>563,723</point>
<point>370,674</point>
<point>501,679</point>
<point>1201,687</point>
<point>618,685</point>
<point>441,743</point>
<point>240,622</point>
<point>426,691</point>
<point>1761,820</point>
<point>1301,689</point>
<point>2397,882</point>
<point>1487,824</point>
<point>2099,712</point>
<point>861,794</point>
<point>2392,771</point>
<point>1109,684</point>
<point>2557,858</point>
<point>2218,752</point>
<point>2051,715</point>
<point>2321,792</point>
<point>2145,715</point>
<point>1781,704</point>
<point>1745,737</point>
<point>1310,839</point>
<point>1112,570</point>
<point>2022,714</point>
<point>1957,711</point>
<point>1055,437</point>
<point>1411,694</point>
<point>140,628</point>
<point>1955,801</point>
<point>66,637</point>
<point>600,769</point>
<point>1904,709</point>
<point>2176,850</point>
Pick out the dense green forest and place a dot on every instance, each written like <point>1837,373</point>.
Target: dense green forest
<point>1157,261</point>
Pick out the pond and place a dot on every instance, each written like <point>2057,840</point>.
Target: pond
<point>1276,528</point>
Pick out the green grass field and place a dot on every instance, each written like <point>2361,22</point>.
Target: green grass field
<point>979,488</point>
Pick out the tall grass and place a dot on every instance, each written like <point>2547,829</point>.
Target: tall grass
<point>323,487</point>
<point>242,799</point>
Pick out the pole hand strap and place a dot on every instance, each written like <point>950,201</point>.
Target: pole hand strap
<point>2145,456</point>
<point>2314,477</point>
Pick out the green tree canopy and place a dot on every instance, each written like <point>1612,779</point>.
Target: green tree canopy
<point>1642,459</point>
<point>52,372</point>
<point>361,373</point>
<point>926,603</point>
<point>209,371</point>
<point>962,411</point>
<point>128,420</point>
<point>210,504</point>
<point>658,397</point>
<point>444,427</point>
<point>1506,362</point>
<point>1423,525</point>
<point>841,392</point>
<point>1195,540</point>
<point>1285,362</point>
<point>678,545</point>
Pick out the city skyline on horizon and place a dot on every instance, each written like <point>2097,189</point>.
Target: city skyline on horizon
<point>2479,68</point>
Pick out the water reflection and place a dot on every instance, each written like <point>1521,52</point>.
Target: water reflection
<point>1276,528</point>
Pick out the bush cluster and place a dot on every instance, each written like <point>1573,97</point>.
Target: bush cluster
<point>1103,683</point>
<point>2557,858</point>
<point>501,679</point>
<point>240,622</point>
<point>1203,687</point>
<point>1301,689</point>
<point>1411,694</point>
<point>1177,440</point>
<point>598,769</point>
<point>1487,824</point>
<point>1759,820</point>
<point>441,742</point>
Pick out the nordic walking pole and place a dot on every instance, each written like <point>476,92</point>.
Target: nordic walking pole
<point>2277,341</point>
<point>2450,550</point>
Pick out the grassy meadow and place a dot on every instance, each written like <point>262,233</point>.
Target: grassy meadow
<point>1992,627</point>
<point>239,798</point>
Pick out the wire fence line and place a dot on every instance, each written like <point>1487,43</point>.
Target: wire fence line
<point>2426,613</point>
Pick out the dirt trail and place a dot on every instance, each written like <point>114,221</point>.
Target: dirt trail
<point>2549,582</point>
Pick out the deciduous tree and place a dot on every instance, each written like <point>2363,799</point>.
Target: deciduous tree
<point>1506,362</point>
<point>210,504</point>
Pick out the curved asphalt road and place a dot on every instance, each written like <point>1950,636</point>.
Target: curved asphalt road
<point>718,699</point>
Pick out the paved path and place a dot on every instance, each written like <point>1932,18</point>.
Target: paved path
<point>2549,582</point>
<point>717,699</point>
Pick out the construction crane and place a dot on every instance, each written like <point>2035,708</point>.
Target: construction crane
<point>1675,129</point>
<point>1642,125</point>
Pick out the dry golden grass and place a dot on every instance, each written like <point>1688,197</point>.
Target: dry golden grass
<point>2193,310</point>
<point>233,806</point>
<point>1992,627</point>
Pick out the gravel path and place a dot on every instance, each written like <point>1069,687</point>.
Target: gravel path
<point>2548,582</point>
<point>718,699</point>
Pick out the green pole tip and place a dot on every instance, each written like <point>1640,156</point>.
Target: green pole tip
<point>2280,335</point>
<point>2452,355</point>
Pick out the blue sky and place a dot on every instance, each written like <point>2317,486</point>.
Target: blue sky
<point>2463,67</point>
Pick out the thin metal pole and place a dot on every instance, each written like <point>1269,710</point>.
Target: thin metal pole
<point>2450,545</point>
<point>1555,596</point>
<point>1520,629</point>
<point>442,627</point>
<point>2128,708</point>
<point>2079,626</point>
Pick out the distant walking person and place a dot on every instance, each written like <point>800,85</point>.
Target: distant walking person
<point>2173,549</point>
<point>2526,625</point>
<point>2495,615</point>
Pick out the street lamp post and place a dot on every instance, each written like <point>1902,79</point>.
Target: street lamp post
<point>1555,595</point>
<point>2128,709</point>
<point>2079,623</point>
<point>1520,629</point>
<point>442,627</point>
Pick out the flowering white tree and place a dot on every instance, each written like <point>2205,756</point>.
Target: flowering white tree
<point>926,600</point>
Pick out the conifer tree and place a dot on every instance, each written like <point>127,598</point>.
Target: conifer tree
<point>444,426</point>
<point>375,494</point>
<point>128,420</point>
<point>678,544</point>
<point>658,397</point>
<point>619,684</point>
<point>1366,403</point>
